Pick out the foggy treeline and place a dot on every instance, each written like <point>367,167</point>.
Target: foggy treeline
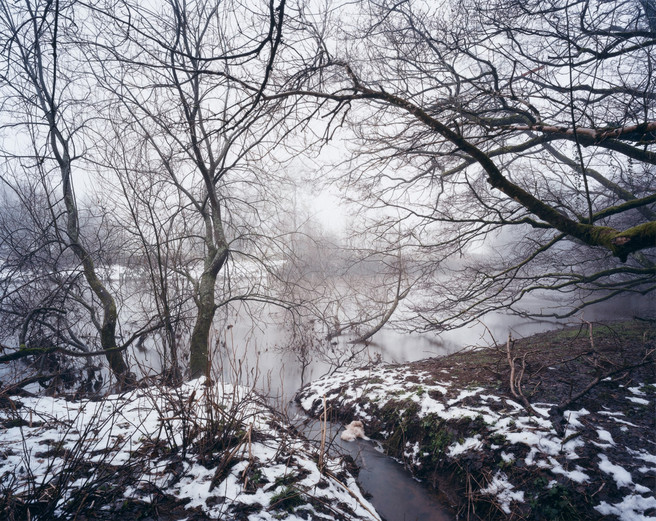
<point>160,163</point>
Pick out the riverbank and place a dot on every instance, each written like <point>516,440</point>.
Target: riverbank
<point>196,452</point>
<point>559,425</point>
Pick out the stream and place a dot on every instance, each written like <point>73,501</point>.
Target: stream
<point>251,356</point>
<point>394,493</point>
<point>248,353</point>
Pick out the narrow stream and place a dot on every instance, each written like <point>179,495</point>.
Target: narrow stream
<point>250,355</point>
<point>395,494</point>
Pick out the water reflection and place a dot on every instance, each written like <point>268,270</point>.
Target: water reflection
<point>257,354</point>
<point>395,494</point>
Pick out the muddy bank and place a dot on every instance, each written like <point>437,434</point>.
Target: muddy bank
<point>555,426</point>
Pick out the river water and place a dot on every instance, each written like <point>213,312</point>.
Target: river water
<point>252,351</point>
<point>252,355</point>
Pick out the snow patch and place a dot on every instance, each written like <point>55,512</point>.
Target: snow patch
<point>621,476</point>
<point>640,401</point>
<point>503,490</point>
<point>631,508</point>
<point>474,443</point>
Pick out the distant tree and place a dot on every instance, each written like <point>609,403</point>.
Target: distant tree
<point>509,145</point>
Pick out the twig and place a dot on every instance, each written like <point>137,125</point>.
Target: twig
<point>353,495</point>
<point>516,380</point>
<point>322,447</point>
<point>225,461</point>
<point>561,407</point>
<point>589,333</point>
<point>511,363</point>
<point>244,477</point>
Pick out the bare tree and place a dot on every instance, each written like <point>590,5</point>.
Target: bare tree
<point>509,145</point>
<point>187,82</point>
<point>152,219</point>
<point>42,102</point>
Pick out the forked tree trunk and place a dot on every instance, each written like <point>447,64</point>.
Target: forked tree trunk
<point>199,360</point>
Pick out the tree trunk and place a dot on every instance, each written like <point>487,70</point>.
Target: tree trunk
<point>199,361</point>
<point>108,341</point>
<point>110,316</point>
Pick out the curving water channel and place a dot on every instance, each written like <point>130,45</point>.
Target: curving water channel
<point>395,494</point>
<point>249,353</point>
<point>392,490</point>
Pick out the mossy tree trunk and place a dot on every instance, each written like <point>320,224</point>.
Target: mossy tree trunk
<point>216,254</point>
<point>109,314</point>
<point>199,360</point>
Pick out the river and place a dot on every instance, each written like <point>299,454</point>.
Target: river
<point>250,349</point>
<point>251,354</point>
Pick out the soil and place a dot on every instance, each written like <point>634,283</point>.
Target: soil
<point>589,367</point>
<point>557,367</point>
<point>560,364</point>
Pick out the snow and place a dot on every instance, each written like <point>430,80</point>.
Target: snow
<point>502,489</point>
<point>640,401</point>
<point>572,417</point>
<point>508,458</point>
<point>544,448</point>
<point>575,475</point>
<point>631,508</point>
<point>465,394</point>
<point>412,450</point>
<point>467,445</point>
<point>643,455</point>
<point>47,439</point>
<point>614,417</point>
<point>606,436</point>
<point>620,475</point>
<point>637,390</point>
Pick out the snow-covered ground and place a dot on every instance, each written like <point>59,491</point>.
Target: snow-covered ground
<point>216,450</point>
<point>500,443</point>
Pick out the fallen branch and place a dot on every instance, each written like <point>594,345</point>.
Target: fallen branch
<point>515,380</point>
<point>12,388</point>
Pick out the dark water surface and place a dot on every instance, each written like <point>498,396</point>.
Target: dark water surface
<point>395,494</point>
